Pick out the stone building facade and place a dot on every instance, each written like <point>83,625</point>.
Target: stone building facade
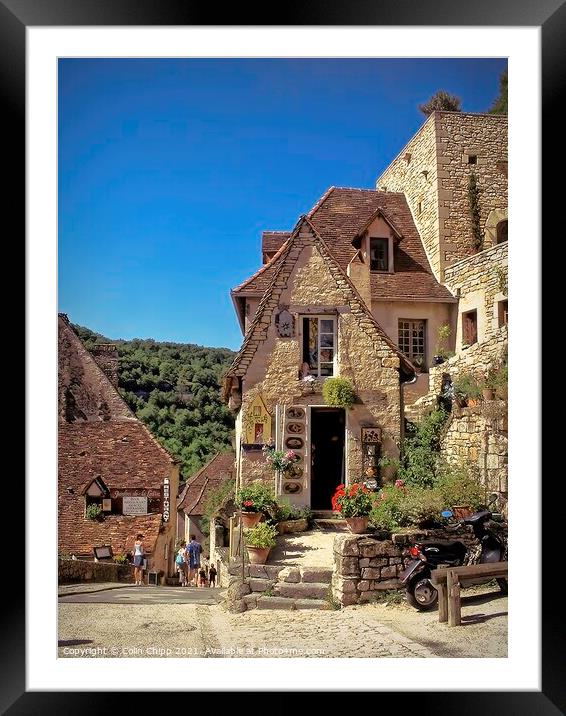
<point>310,286</point>
<point>433,171</point>
<point>380,271</point>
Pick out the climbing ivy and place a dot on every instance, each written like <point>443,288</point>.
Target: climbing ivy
<point>473,197</point>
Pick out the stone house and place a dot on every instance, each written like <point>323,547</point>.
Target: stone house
<point>196,492</point>
<point>108,459</point>
<point>359,289</point>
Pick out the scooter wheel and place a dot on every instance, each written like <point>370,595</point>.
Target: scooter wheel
<point>421,594</point>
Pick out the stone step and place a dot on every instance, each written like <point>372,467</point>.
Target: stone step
<point>319,604</point>
<point>319,575</point>
<point>285,603</point>
<point>324,514</point>
<point>275,603</point>
<point>301,590</point>
<point>331,524</point>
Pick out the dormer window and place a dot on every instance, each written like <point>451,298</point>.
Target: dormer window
<point>380,254</point>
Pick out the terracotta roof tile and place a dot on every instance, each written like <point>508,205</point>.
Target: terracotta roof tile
<point>339,216</point>
<point>197,490</point>
<point>272,241</point>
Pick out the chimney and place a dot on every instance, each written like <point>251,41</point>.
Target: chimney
<point>106,355</point>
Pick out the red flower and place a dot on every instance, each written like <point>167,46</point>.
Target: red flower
<point>248,503</point>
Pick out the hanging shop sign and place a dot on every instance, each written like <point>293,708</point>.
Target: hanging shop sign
<point>166,499</point>
<point>257,423</point>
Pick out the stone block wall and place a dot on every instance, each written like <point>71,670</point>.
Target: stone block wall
<point>481,283</point>
<point>460,135</point>
<point>77,570</point>
<point>433,171</point>
<point>478,436</point>
<point>365,565</point>
<point>414,172</point>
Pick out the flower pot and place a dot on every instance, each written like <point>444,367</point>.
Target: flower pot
<point>438,360</point>
<point>288,526</point>
<point>250,519</point>
<point>488,393</point>
<point>258,555</point>
<point>357,525</point>
<point>461,511</point>
<point>472,402</point>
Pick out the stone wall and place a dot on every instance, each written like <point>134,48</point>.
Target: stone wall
<point>414,172</point>
<point>77,570</point>
<point>433,172</point>
<point>478,436</point>
<point>460,135</point>
<point>106,356</point>
<point>365,565</point>
<point>481,283</point>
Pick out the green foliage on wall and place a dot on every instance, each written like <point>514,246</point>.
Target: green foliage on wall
<point>174,388</point>
<point>339,392</point>
<point>473,197</point>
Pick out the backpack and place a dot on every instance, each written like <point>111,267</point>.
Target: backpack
<point>179,559</point>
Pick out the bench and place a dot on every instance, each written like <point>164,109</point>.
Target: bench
<point>447,583</point>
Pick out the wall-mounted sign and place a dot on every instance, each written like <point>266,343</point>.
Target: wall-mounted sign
<point>295,413</point>
<point>285,323</point>
<point>295,428</point>
<point>166,499</point>
<point>257,423</point>
<point>371,435</point>
<point>292,488</point>
<point>294,443</point>
<point>134,505</point>
<point>106,504</point>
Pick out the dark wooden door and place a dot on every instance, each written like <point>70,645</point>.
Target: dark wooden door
<point>328,427</point>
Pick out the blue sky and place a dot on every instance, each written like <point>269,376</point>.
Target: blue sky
<point>170,169</point>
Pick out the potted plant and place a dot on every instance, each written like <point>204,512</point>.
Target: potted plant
<point>467,391</point>
<point>253,500</point>
<point>354,502</point>
<point>339,392</point>
<point>259,542</point>
<point>441,352</point>
<point>490,383</point>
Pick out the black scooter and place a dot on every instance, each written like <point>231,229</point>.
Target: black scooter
<point>419,590</point>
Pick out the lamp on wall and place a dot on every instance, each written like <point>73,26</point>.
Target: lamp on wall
<point>425,173</point>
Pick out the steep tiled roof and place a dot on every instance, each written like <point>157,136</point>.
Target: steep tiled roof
<point>339,217</point>
<point>99,437</point>
<point>284,264</point>
<point>196,492</point>
<point>272,241</point>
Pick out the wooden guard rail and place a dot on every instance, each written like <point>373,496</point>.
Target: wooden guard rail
<point>447,582</point>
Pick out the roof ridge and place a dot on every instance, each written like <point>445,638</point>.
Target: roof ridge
<point>321,201</point>
<point>268,295</point>
<point>263,268</point>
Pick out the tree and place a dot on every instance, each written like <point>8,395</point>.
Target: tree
<point>441,100</point>
<point>500,104</point>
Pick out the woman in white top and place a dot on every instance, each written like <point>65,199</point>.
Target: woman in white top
<point>138,560</point>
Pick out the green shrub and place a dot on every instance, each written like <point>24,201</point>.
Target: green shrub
<point>386,510</point>
<point>121,559</point>
<point>339,392</point>
<point>93,512</point>
<point>255,497</point>
<point>458,487</point>
<point>420,451</point>
<point>262,535</point>
<point>466,386</point>
<point>421,508</point>
<point>284,510</point>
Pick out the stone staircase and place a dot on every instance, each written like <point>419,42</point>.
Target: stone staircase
<point>276,587</point>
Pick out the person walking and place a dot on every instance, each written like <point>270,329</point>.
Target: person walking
<point>138,560</point>
<point>194,550</point>
<point>181,564</point>
<point>212,576</point>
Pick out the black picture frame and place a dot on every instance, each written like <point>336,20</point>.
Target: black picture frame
<point>550,16</point>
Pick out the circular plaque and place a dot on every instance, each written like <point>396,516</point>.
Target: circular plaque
<point>294,443</point>
<point>292,488</point>
<point>295,428</point>
<point>295,413</point>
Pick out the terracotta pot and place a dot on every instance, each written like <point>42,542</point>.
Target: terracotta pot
<point>357,525</point>
<point>461,511</point>
<point>472,402</point>
<point>258,555</point>
<point>488,393</point>
<point>250,519</point>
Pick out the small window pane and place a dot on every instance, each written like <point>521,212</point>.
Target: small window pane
<point>326,369</point>
<point>326,326</point>
<point>379,254</point>
<point>327,340</point>
<point>326,355</point>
